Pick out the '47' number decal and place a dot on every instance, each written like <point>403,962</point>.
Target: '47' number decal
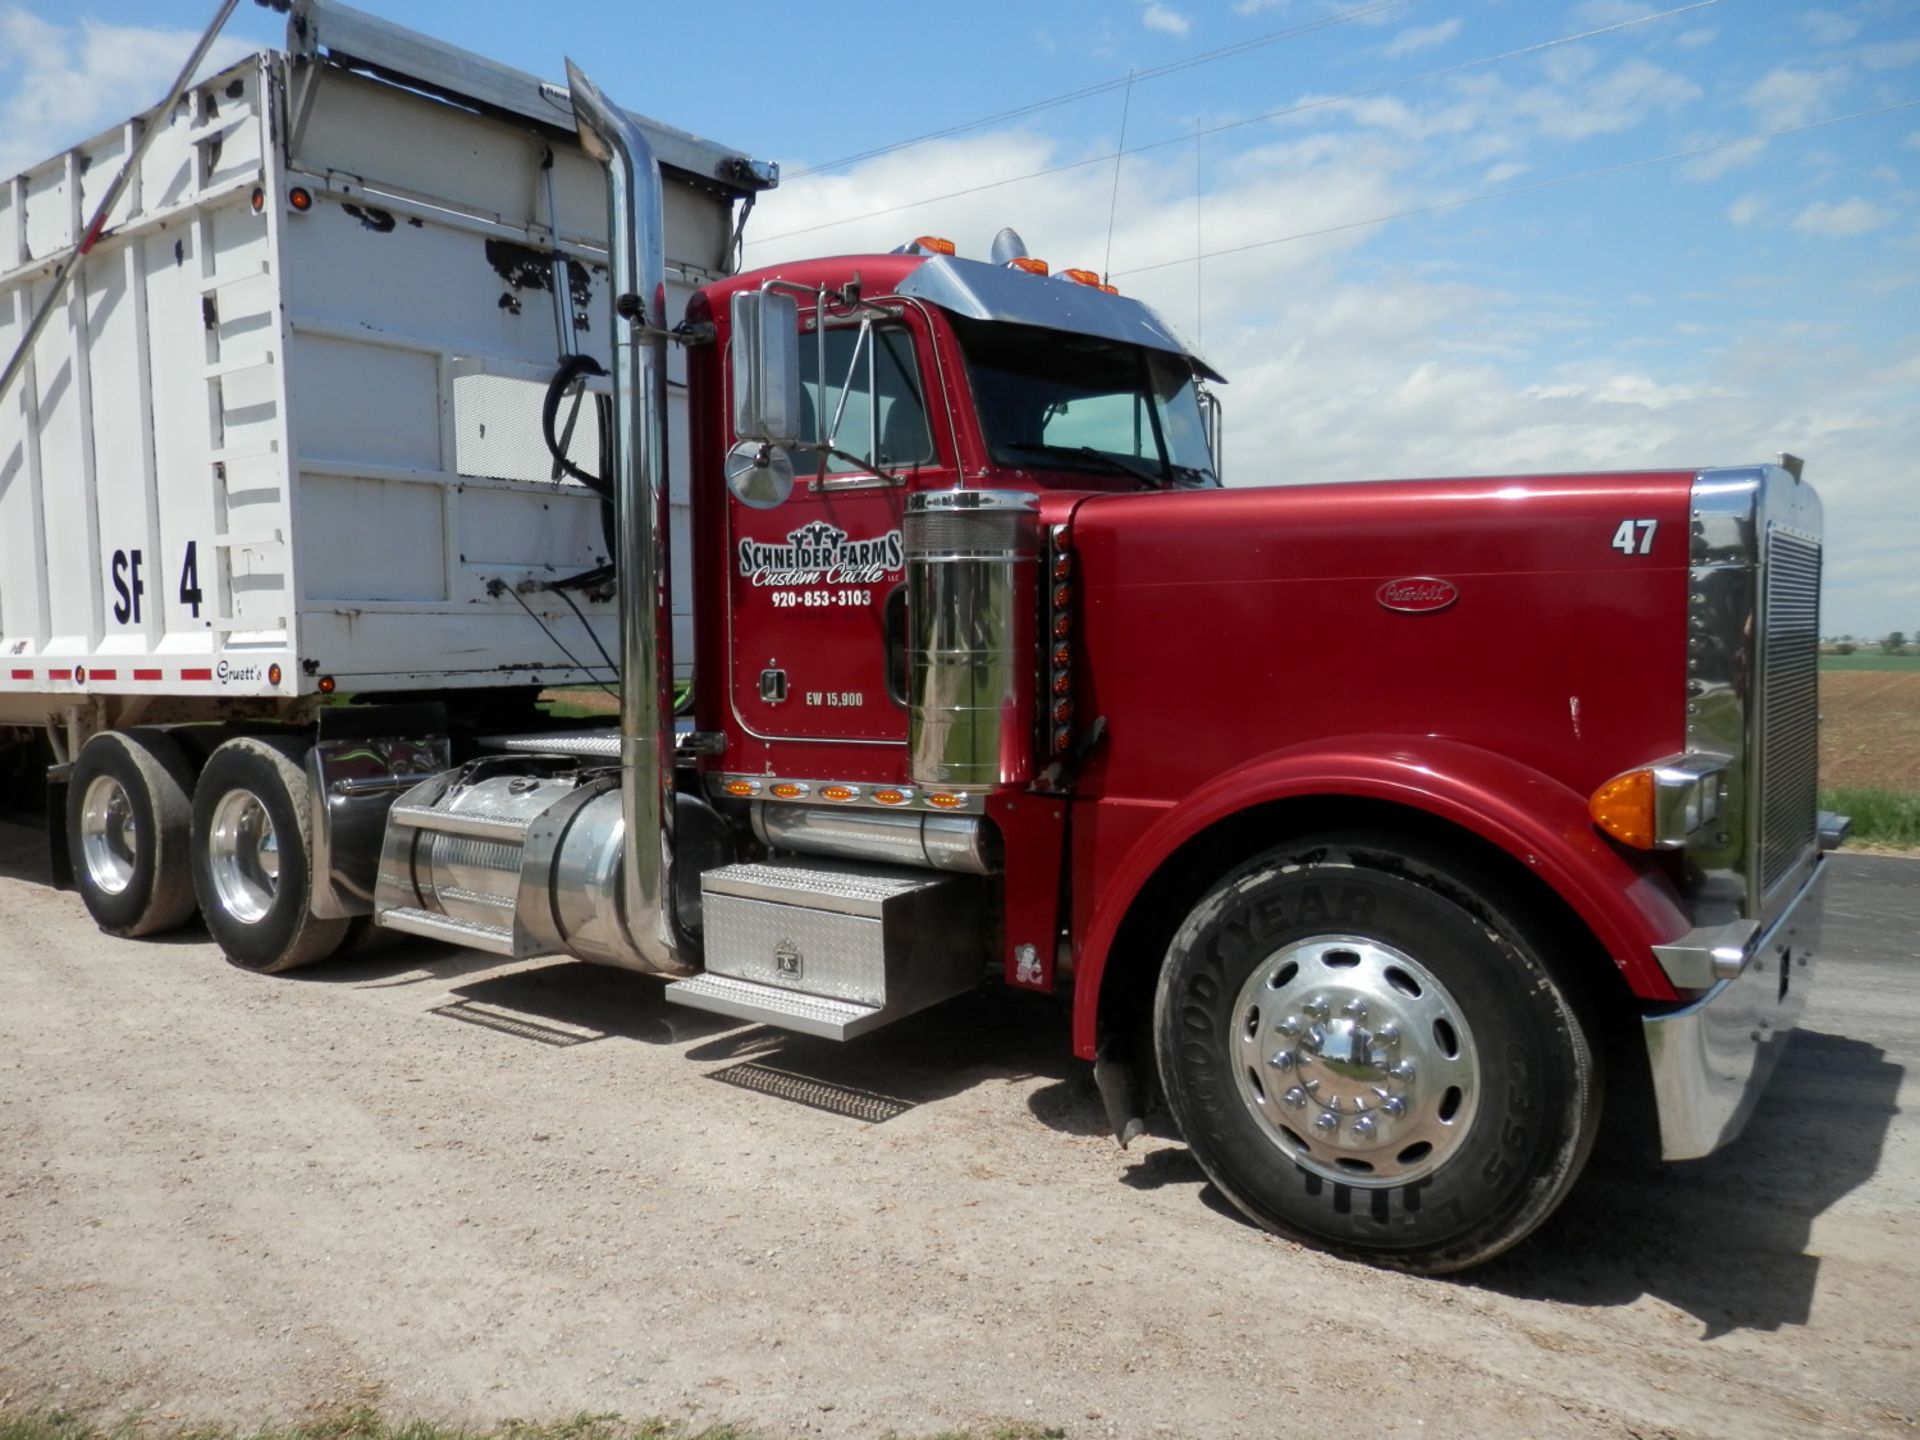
<point>1635,537</point>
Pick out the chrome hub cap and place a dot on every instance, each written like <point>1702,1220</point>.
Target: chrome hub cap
<point>107,839</point>
<point>1355,1060</point>
<point>243,856</point>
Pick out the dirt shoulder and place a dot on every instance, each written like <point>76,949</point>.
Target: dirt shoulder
<point>1870,728</point>
<point>468,1189</point>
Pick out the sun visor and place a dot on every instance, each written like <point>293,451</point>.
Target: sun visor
<point>991,292</point>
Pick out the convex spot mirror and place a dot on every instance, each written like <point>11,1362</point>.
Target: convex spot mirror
<point>766,367</point>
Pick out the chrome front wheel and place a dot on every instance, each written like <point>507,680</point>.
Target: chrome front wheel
<point>1355,1060</point>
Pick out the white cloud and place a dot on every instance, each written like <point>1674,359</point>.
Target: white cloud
<point>1420,37</point>
<point>1841,219</point>
<point>1715,163</point>
<point>66,83</point>
<point>1747,209</point>
<point>1616,102</point>
<point>1827,28</point>
<point>1694,39</point>
<point>1894,55</point>
<point>1165,19</point>
<point>1787,97</point>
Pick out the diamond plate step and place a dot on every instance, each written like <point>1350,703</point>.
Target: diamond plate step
<point>770,1005</point>
<point>444,927</point>
<point>475,825</point>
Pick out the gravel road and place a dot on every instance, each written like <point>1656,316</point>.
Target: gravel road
<point>468,1189</point>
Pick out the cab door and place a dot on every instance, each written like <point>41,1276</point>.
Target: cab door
<point>817,614</point>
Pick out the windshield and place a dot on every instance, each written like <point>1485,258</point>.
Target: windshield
<point>1052,399</point>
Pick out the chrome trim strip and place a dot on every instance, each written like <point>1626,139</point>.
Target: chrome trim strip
<point>1710,1059</point>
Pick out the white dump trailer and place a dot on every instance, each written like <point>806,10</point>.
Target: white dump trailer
<point>282,437</point>
<point>320,413</point>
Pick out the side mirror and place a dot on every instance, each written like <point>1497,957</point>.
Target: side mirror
<point>766,367</point>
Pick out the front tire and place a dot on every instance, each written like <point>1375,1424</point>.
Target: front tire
<point>1366,1052</point>
<point>252,857</point>
<point>129,822</point>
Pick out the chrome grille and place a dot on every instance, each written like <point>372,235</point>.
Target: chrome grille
<point>1789,704</point>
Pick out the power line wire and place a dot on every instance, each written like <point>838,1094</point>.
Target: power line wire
<point>1305,105</point>
<point>1104,87</point>
<point>1505,191</point>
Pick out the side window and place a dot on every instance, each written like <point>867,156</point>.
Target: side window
<point>873,383</point>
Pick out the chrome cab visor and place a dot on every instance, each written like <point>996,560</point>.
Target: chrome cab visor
<point>1711,1058</point>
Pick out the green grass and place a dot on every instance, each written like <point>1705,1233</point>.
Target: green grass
<point>1880,817</point>
<point>365,1424</point>
<point>1869,660</point>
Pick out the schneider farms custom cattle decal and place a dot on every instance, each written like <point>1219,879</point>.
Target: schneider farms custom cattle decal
<point>821,554</point>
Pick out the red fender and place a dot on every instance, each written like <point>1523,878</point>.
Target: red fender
<point>1538,821</point>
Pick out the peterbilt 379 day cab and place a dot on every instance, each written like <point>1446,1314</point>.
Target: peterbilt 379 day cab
<point>1355,818</point>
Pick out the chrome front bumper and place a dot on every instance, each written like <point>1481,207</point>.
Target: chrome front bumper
<point>1712,1057</point>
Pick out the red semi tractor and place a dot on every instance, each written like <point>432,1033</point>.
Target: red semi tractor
<point>1356,818</point>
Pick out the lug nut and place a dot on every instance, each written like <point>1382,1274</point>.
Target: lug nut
<point>1363,1127</point>
<point>1355,1009</point>
<point>1290,1026</point>
<point>1317,1007</point>
<point>1281,1059</point>
<point>1296,1097</point>
<point>1388,1034</point>
<point>1326,1122</point>
<point>1394,1106</point>
<point>1402,1070</point>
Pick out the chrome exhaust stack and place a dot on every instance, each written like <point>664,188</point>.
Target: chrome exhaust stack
<point>637,259</point>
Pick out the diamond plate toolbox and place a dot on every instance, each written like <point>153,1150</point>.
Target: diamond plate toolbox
<point>895,940</point>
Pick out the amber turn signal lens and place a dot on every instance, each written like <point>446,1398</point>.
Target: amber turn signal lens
<point>300,198</point>
<point>1623,807</point>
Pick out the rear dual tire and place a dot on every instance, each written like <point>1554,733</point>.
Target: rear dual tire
<point>252,856</point>
<point>1367,1051</point>
<point>129,831</point>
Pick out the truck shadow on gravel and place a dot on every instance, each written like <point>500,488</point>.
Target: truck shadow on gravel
<point>1724,1238</point>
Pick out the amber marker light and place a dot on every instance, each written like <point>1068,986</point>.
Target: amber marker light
<point>938,244</point>
<point>258,200</point>
<point>788,790</point>
<point>1062,565</point>
<point>1623,807</point>
<point>839,792</point>
<point>1062,738</point>
<point>1063,654</point>
<point>273,674</point>
<point>1082,277</point>
<point>946,801</point>
<point>891,797</point>
<point>740,787</point>
<point>1029,263</point>
<point>327,685</point>
<point>300,198</point>
<point>1062,625</point>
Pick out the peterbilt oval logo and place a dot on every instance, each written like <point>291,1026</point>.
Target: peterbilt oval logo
<point>1417,594</point>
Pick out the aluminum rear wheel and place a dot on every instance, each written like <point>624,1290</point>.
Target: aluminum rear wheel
<point>243,856</point>
<point>109,844</point>
<point>1355,1060</point>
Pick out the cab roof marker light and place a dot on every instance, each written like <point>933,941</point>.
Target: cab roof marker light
<point>1081,277</point>
<point>1031,264</point>
<point>933,245</point>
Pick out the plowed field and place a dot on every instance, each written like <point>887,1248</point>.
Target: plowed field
<point>1870,728</point>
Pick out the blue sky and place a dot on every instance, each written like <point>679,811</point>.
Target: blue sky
<point>1709,309</point>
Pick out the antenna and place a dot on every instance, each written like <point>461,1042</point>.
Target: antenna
<point>1113,204</point>
<point>1199,247</point>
